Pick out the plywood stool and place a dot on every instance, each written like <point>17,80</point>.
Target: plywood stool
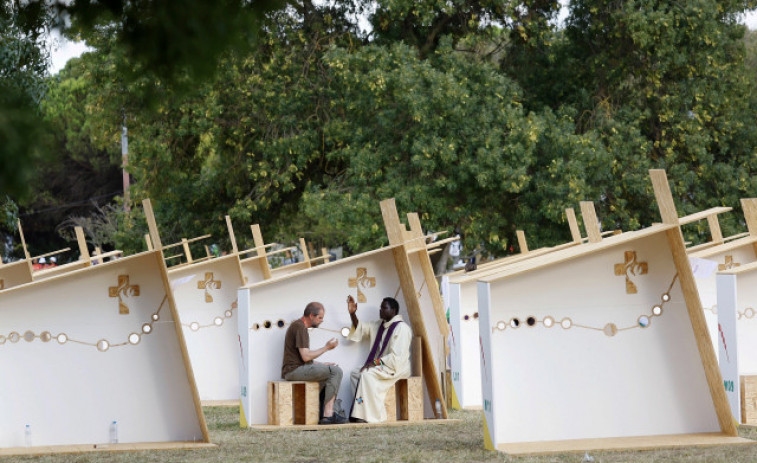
<point>749,399</point>
<point>293,402</point>
<point>404,400</point>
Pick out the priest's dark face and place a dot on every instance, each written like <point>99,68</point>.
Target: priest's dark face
<point>386,312</point>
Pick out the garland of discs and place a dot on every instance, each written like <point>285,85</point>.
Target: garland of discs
<point>746,314</point>
<point>217,321</point>
<point>103,345</point>
<point>609,329</point>
<point>268,324</point>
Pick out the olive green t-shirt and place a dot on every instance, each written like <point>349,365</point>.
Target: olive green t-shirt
<point>296,337</point>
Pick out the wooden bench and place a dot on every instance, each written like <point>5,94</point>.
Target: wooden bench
<point>404,400</point>
<point>293,402</point>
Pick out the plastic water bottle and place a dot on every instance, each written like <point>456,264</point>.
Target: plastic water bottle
<point>438,408</point>
<point>28,435</point>
<point>114,432</point>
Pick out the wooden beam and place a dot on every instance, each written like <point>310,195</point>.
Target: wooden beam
<point>430,276</point>
<point>305,254</point>
<point>187,251</point>
<point>83,251</point>
<point>396,233</point>
<point>591,224</point>
<point>191,240</point>
<point>575,232</point>
<point>257,238</point>
<point>232,237</point>
<point>522,243</point>
<point>23,240</point>
<point>149,242</point>
<point>152,225</point>
<point>693,304</point>
<point>716,235</point>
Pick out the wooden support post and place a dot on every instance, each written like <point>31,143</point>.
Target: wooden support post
<point>522,243</point>
<point>257,238</point>
<point>83,251</point>
<point>590,221</point>
<point>693,304</point>
<point>749,205</point>
<point>98,252</point>
<point>152,225</point>
<point>232,237</point>
<point>305,255</point>
<point>390,403</point>
<point>187,252</point>
<point>326,255</point>
<point>23,240</point>
<point>716,235</point>
<point>428,274</point>
<point>148,241</point>
<point>396,233</point>
<point>575,232</point>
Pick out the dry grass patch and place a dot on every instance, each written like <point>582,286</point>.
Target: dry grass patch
<point>455,442</point>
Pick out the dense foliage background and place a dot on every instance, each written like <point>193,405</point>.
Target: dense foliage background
<point>483,116</point>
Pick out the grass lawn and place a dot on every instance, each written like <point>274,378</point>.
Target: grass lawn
<point>455,442</point>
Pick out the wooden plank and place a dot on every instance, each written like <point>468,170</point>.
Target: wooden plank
<point>591,224</point>
<point>705,253</point>
<point>716,234</point>
<point>257,238</point>
<point>622,444</point>
<point>192,240</point>
<point>749,205</point>
<point>149,242</point>
<point>396,231</point>
<point>575,232</point>
<point>414,395</point>
<point>232,236</point>
<point>151,224</point>
<point>429,275</point>
<point>23,240</point>
<point>416,356</point>
<point>187,252</point>
<point>89,448</point>
<point>312,401</point>
<point>305,254</point>
<point>83,251</point>
<point>691,218</point>
<point>522,243</point>
<point>317,427</point>
<point>693,304</point>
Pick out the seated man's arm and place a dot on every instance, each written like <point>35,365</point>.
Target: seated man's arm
<point>308,355</point>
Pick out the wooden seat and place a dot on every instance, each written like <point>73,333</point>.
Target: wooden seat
<point>404,400</point>
<point>293,402</point>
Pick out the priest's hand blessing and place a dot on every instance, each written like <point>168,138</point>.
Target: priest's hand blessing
<point>352,309</point>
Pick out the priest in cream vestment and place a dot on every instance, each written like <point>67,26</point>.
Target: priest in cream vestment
<point>388,361</point>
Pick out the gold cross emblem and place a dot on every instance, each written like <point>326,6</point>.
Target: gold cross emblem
<point>632,267</point>
<point>124,289</point>
<point>362,279</point>
<point>207,284</point>
<point>729,263</point>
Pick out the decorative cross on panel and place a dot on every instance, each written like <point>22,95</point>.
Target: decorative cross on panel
<point>124,289</point>
<point>729,263</point>
<point>362,279</point>
<point>209,283</point>
<point>631,267</point>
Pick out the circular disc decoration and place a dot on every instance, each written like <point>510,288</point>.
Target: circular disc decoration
<point>155,317</point>
<point>549,322</point>
<point>610,329</point>
<point>282,323</point>
<point>345,331</point>
<point>566,323</point>
<point>103,345</point>
<point>62,338</point>
<point>45,336</point>
<point>644,321</point>
<point>147,328</point>
<point>2,339</point>
<point>228,314</point>
<point>218,321</point>
<point>530,321</point>
<point>665,297</point>
<point>134,339</point>
<point>194,326</point>
<point>749,312</point>
<point>657,311</point>
<point>501,325</point>
<point>14,337</point>
<point>267,323</point>
<point>514,322</point>
<point>29,336</point>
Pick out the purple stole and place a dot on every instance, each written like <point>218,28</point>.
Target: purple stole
<point>372,356</point>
